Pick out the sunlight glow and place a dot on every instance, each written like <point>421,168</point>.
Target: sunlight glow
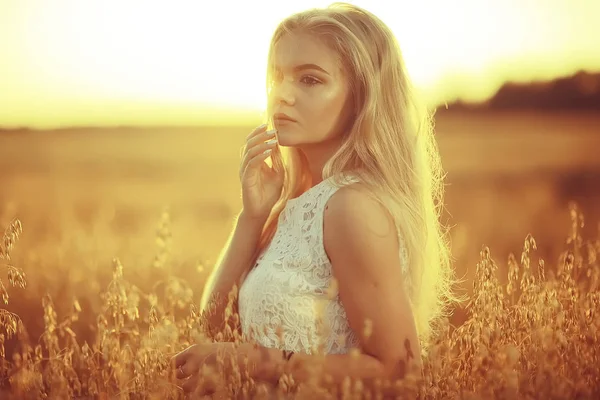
<point>124,61</point>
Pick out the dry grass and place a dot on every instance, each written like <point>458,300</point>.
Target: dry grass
<point>535,337</point>
<point>113,282</point>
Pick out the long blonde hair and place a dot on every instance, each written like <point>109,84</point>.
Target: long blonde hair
<point>390,147</point>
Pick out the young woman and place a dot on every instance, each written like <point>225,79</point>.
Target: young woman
<point>339,243</point>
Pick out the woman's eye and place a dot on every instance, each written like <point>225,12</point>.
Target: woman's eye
<point>309,80</point>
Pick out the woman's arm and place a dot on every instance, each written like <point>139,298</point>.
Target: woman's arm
<point>362,243</point>
<point>233,263</point>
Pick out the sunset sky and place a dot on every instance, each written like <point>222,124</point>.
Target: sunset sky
<point>176,62</point>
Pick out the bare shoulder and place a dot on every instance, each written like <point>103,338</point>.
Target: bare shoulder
<point>352,215</point>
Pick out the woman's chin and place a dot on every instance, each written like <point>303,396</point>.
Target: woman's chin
<point>283,138</point>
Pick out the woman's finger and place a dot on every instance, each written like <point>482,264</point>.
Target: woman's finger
<point>200,385</point>
<point>191,384</point>
<point>180,358</point>
<point>191,367</point>
<point>257,160</point>
<point>258,139</point>
<point>260,150</point>
<point>251,140</point>
<point>183,371</point>
<point>256,131</point>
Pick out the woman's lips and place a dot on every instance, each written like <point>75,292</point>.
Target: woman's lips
<point>282,121</point>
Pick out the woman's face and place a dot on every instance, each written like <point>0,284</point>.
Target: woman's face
<point>310,87</point>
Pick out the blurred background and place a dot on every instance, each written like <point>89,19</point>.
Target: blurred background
<point>121,124</point>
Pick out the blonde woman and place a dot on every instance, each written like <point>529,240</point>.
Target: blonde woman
<point>339,244</point>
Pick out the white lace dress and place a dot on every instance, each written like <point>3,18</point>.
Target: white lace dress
<point>287,301</point>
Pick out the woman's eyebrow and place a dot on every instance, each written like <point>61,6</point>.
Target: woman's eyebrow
<point>303,67</point>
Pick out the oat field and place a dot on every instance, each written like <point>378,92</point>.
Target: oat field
<point>110,234</point>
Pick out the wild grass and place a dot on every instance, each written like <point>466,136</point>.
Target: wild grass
<point>533,337</point>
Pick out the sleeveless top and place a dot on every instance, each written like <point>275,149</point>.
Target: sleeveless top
<point>289,300</point>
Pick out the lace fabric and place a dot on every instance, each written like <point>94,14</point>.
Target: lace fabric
<point>288,300</point>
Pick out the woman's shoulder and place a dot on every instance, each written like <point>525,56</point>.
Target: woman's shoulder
<point>353,189</point>
<point>359,231</point>
<point>353,206</point>
<point>347,179</point>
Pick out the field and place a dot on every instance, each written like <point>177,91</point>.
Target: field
<point>121,227</point>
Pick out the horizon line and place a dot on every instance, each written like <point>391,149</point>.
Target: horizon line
<point>243,115</point>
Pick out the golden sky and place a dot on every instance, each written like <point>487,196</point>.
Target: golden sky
<point>176,62</point>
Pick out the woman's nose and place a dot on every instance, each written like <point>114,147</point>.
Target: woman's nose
<point>283,92</point>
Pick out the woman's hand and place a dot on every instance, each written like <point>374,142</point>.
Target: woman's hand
<point>197,366</point>
<point>261,184</point>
